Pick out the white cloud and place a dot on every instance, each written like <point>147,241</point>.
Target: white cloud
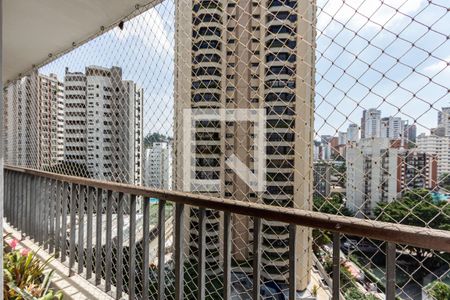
<point>366,14</point>
<point>151,29</point>
<point>438,66</point>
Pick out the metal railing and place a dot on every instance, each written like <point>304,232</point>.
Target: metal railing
<point>64,214</point>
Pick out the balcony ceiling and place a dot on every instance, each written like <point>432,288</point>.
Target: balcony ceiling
<point>34,28</point>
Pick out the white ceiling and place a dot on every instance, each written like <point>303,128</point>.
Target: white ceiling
<point>32,29</point>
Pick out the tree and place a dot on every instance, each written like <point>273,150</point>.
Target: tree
<point>440,291</point>
<point>416,208</point>
<point>333,205</point>
<point>444,181</point>
<point>154,137</point>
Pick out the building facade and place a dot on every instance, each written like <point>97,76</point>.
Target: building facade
<point>372,123</point>
<point>322,179</point>
<point>392,128</point>
<point>51,121</point>
<point>379,171</point>
<point>353,133</point>
<point>439,146</point>
<point>104,124</point>
<point>157,166</point>
<point>34,121</point>
<point>246,55</point>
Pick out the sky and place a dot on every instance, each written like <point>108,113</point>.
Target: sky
<point>393,55</point>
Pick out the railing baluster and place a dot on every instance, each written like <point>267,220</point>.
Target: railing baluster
<point>17,201</point>
<point>146,241</point>
<point>72,246</point>
<point>81,201</point>
<point>34,198</point>
<point>179,258</point>
<point>27,200</point>
<point>161,247</point>
<point>64,206</point>
<point>52,209</point>
<point>21,204</point>
<point>108,258</point>
<point>256,257</point>
<point>132,241</point>
<point>119,270</point>
<point>98,236</point>
<point>201,253</point>
<point>5,189</point>
<point>58,233</point>
<point>227,255</point>
<point>39,215</point>
<point>90,212</point>
<point>292,261</point>
<point>336,265</point>
<point>390,271</point>
<point>46,211</point>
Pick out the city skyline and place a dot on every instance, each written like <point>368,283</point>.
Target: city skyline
<point>330,116</point>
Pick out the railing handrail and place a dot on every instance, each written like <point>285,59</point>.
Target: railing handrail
<point>397,233</point>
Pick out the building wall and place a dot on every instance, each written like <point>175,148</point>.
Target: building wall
<point>244,74</point>
<point>157,167</point>
<point>104,124</point>
<point>438,145</point>
<point>75,142</point>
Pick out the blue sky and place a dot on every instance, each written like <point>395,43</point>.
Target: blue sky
<point>392,55</point>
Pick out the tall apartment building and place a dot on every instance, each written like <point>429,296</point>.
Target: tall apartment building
<point>379,171</point>
<point>322,179</point>
<point>51,120</point>
<point>438,145</point>
<point>75,117</point>
<point>158,166</point>
<point>411,133</point>
<point>352,133</point>
<point>444,119</point>
<point>326,146</point>
<point>21,122</point>
<point>246,54</point>
<point>104,124</point>
<point>34,116</point>
<point>372,123</point>
<point>392,128</point>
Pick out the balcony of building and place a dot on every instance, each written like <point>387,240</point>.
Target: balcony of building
<point>111,234</point>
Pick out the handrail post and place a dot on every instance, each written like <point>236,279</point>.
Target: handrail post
<point>201,253</point>
<point>336,265</point>
<point>227,255</point>
<point>292,261</point>
<point>179,259</point>
<point>256,258</point>
<point>390,271</point>
<point>161,247</point>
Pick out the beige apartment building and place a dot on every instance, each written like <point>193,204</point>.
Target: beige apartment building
<point>242,55</point>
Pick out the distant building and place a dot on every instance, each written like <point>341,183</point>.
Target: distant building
<point>326,146</point>
<point>392,128</point>
<point>438,145</point>
<point>444,120</point>
<point>411,133</point>
<point>352,133</point>
<point>372,123</point>
<point>157,166</point>
<point>377,171</point>
<point>34,121</point>
<point>342,138</point>
<point>104,124</point>
<point>322,179</point>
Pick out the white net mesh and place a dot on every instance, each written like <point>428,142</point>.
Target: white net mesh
<point>353,100</point>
